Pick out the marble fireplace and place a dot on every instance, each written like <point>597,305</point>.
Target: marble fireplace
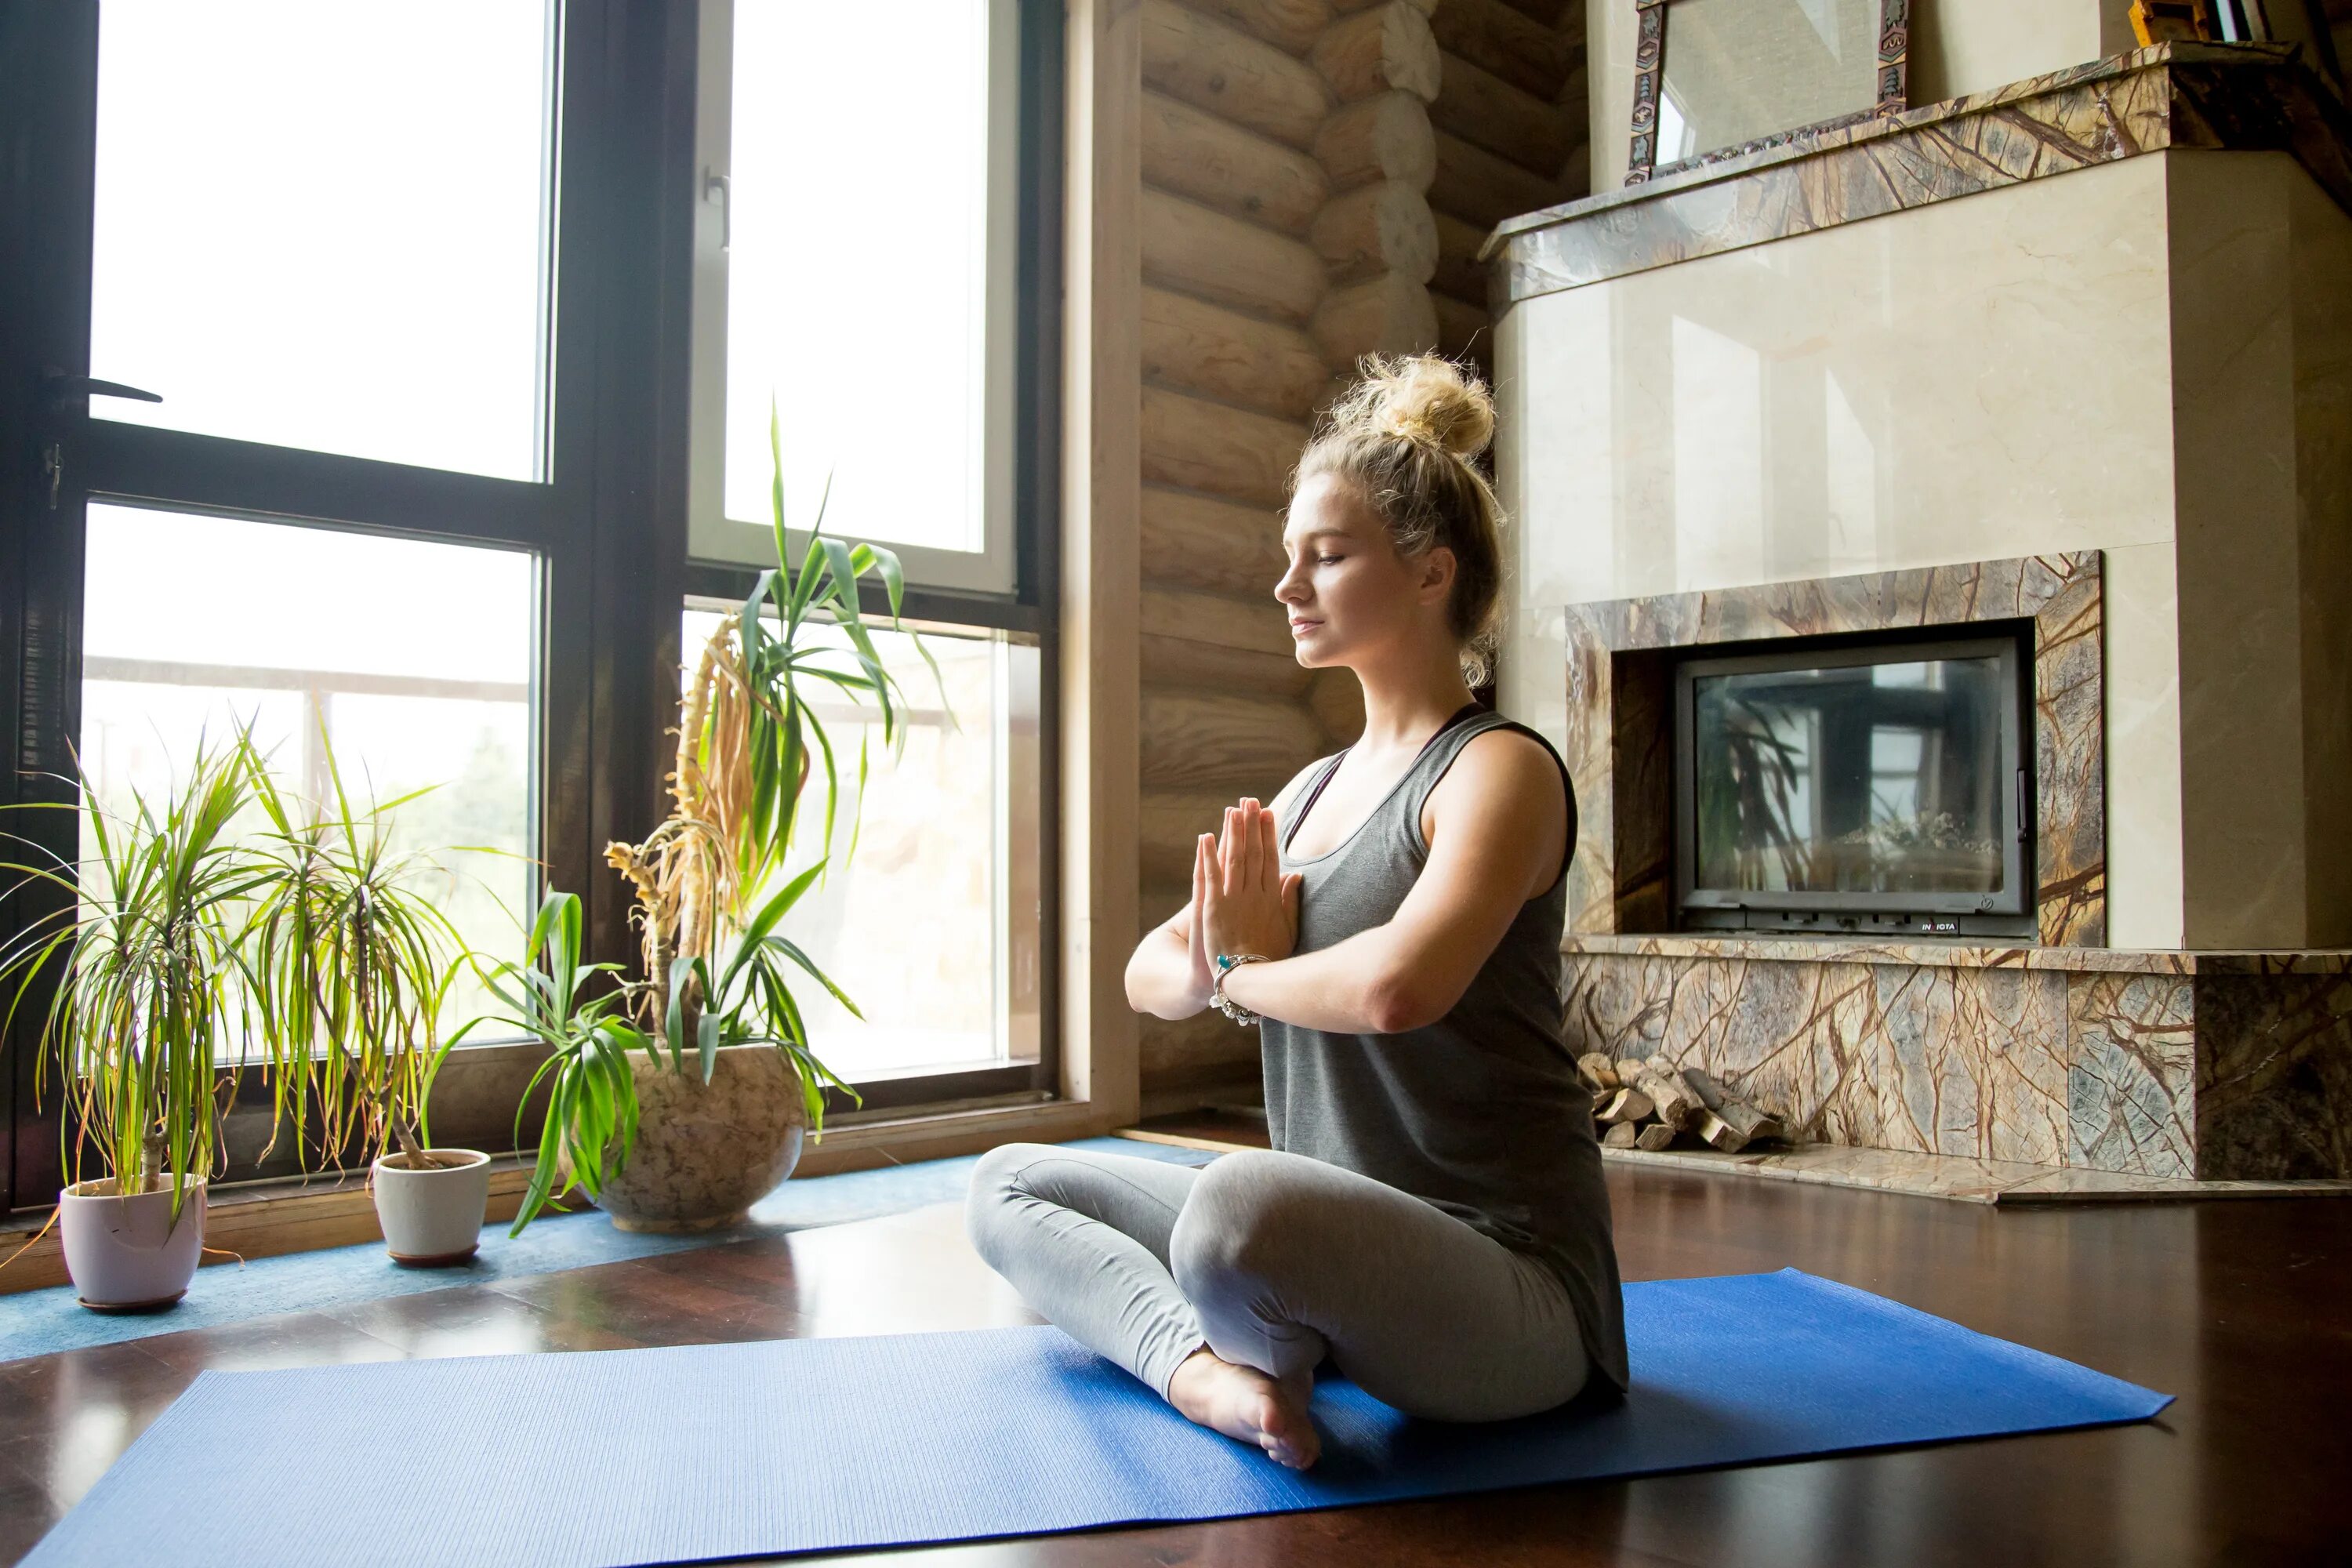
<point>2071,357</point>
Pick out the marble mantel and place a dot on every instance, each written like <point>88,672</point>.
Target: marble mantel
<point>2226,97</point>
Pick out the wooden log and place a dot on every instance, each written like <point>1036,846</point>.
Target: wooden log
<point>1388,314</point>
<point>1226,451</point>
<point>1487,112</point>
<point>1620,1136</point>
<point>1226,260</point>
<point>1463,331</point>
<point>1215,65</point>
<point>1256,625</point>
<point>1630,1069</point>
<point>1350,7</point>
<point>1598,1072</point>
<point>1374,50</point>
<point>1719,1134</point>
<point>1459,271</point>
<point>1748,1121</point>
<point>1479,188</point>
<point>1626,1105</point>
<point>1657,1135</point>
<point>1562,14</point>
<point>1218,164</point>
<point>1291,26</point>
<point>1532,56</point>
<point>1167,823</point>
<point>1246,745</point>
<point>1677,1107</point>
<point>1184,665</point>
<point>1374,230</point>
<point>1384,137</point>
<point>1193,541</point>
<point>1337,698</point>
<point>1193,346</point>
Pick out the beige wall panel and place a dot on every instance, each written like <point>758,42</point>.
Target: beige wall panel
<point>1223,260</point>
<point>2320,280</point>
<point>1213,66</point>
<point>1195,153</point>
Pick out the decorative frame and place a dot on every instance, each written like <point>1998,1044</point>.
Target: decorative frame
<point>1619,733</point>
<point>1641,165</point>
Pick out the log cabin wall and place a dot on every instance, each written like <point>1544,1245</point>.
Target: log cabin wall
<point>1309,169</point>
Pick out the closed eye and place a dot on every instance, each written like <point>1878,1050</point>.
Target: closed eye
<point>1326,560</point>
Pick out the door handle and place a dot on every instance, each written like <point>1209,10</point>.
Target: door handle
<point>62,389</point>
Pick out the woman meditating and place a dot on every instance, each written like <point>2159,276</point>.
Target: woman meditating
<point>1432,1215</point>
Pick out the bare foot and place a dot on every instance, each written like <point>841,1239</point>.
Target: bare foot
<point>1246,1404</point>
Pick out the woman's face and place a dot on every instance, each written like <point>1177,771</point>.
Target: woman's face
<point>1348,591</point>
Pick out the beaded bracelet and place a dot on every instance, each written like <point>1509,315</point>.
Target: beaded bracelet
<point>1226,963</point>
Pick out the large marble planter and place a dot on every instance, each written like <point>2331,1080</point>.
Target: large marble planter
<point>705,1153</point>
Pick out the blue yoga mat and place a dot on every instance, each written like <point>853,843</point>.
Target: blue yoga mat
<point>713,1451</point>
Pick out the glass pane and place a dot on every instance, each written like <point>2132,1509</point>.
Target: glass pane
<point>869,343</point>
<point>325,225</point>
<point>1739,69</point>
<point>419,656</point>
<point>1857,778</point>
<point>931,925</point>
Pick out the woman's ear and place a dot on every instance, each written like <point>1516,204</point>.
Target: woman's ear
<point>1436,573</point>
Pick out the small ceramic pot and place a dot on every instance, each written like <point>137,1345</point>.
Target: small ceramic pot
<point>432,1218</point>
<point>705,1153</point>
<point>126,1254</point>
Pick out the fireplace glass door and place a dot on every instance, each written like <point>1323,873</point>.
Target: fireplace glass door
<point>1876,788</point>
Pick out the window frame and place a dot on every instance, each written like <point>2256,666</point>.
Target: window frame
<point>607,524</point>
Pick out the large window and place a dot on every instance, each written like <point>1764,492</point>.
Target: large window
<point>466,318</point>
<point>327,225</point>
<point>855,275</point>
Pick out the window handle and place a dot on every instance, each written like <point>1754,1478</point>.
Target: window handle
<point>720,183</point>
<point>63,389</point>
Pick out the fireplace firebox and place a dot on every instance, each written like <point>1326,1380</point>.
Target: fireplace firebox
<point>1879,784</point>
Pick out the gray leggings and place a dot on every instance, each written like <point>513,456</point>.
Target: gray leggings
<point>1271,1259</point>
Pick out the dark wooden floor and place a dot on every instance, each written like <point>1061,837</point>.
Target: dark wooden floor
<point>2242,1309</point>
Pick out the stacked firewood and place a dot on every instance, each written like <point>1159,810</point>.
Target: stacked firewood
<point>1652,1104</point>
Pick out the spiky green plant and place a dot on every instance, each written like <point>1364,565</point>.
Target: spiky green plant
<point>592,1110</point>
<point>149,976</point>
<point>351,961</point>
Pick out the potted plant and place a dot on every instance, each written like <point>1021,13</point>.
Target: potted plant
<point>720,1081</point>
<point>350,964</point>
<point>148,991</point>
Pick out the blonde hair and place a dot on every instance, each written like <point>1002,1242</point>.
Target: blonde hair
<point>1405,436</point>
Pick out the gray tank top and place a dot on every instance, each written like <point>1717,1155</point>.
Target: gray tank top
<point>1481,1113</point>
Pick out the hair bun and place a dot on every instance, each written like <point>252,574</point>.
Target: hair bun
<point>1424,398</point>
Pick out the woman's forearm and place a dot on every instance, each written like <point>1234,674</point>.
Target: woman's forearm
<point>1346,988</point>
<point>1159,977</point>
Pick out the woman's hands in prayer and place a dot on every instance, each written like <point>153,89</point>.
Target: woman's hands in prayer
<point>1242,900</point>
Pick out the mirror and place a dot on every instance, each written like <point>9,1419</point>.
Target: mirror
<point>1716,77</point>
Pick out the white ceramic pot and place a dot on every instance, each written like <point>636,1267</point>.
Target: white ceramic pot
<point>433,1218</point>
<point>126,1254</point>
